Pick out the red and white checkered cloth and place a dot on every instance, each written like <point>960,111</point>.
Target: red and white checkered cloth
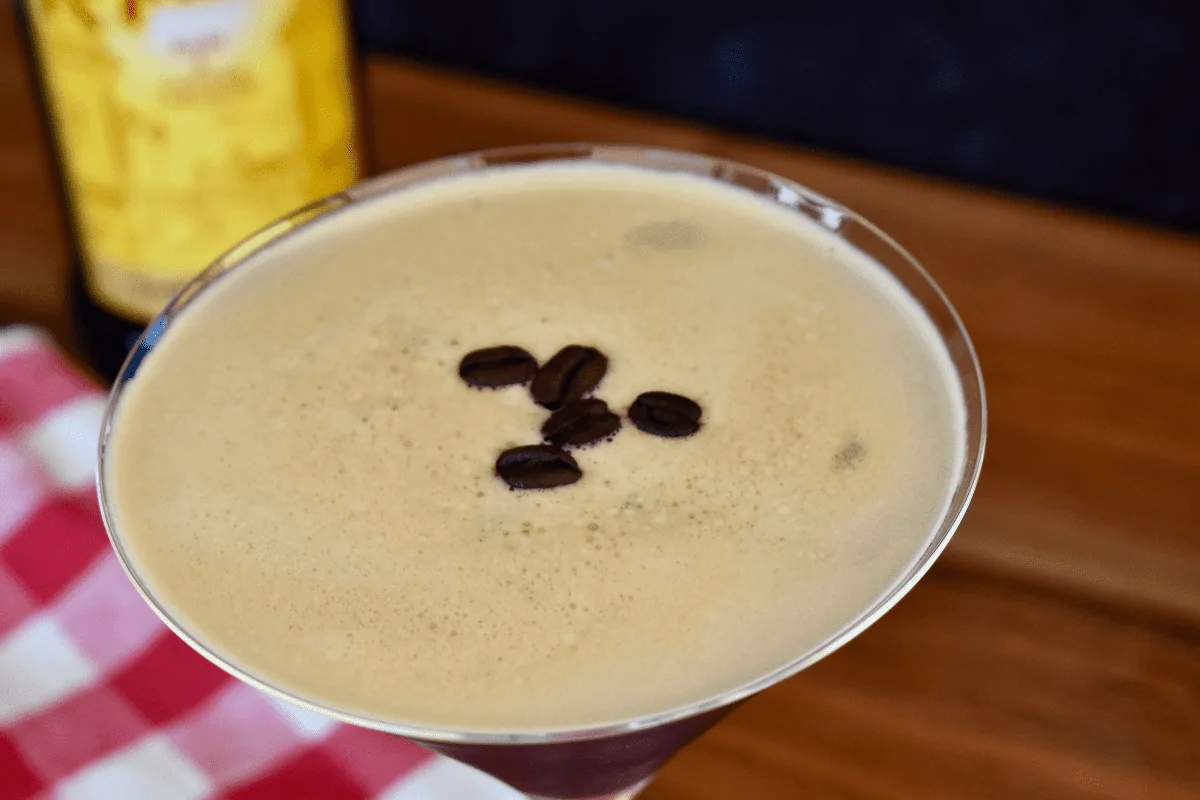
<point>98,700</point>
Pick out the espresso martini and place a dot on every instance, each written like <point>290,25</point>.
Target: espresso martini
<point>307,473</point>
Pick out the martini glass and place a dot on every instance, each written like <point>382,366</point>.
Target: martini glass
<point>612,761</point>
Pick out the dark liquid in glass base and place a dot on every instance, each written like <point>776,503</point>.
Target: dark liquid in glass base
<point>583,769</point>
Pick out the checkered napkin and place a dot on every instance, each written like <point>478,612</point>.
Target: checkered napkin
<point>98,700</point>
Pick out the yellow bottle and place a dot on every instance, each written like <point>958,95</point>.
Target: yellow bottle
<point>180,127</point>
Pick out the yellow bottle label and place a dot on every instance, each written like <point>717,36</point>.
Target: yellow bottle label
<point>185,125</point>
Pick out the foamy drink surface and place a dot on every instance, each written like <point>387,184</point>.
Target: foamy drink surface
<point>302,478</point>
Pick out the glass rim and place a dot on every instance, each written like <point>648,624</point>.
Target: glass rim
<point>788,194</point>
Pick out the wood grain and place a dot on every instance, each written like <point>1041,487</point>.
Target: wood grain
<point>969,688</point>
<point>1055,651</point>
<point>32,245</point>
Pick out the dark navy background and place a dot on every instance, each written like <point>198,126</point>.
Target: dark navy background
<point>1095,104</point>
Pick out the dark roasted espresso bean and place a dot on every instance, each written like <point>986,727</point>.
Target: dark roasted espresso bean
<point>537,466</point>
<point>493,367</point>
<point>580,422</point>
<point>572,373</point>
<point>665,414</point>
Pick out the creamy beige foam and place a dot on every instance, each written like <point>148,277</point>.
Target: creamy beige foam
<point>305,483</point>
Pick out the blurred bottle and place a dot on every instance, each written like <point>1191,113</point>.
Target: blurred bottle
<point>178,128</point>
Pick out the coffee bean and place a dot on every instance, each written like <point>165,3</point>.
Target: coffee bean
<point>580,422</point>
<point>494,367</point>
<point>537,466</point>
<point>572,373</point>
<point>665,414</point>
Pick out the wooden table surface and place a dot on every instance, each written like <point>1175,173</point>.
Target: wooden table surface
<point>1054,651</point>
